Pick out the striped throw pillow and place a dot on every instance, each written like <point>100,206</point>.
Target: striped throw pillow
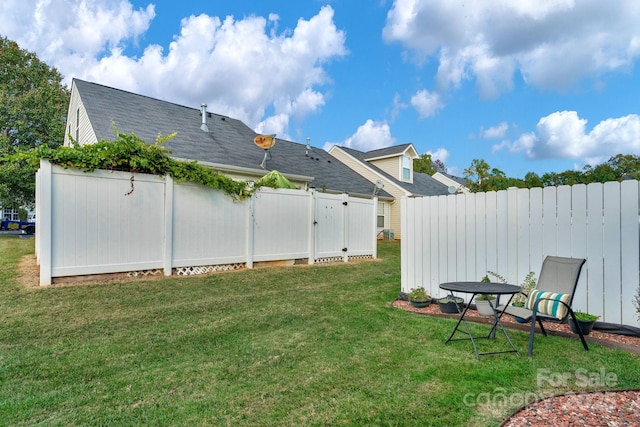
<point>551,306</point>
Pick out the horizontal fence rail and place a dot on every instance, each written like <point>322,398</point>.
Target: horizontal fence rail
<point>112,222</point>
<point>462,237</point>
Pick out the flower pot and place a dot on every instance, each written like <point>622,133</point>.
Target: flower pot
<point>584,325</point>
<point>450,306</point>
<point>483,308</point>
<point>420,304</point>
<point>520,319</point>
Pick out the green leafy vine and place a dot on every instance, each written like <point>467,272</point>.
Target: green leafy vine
<point>128,153</point>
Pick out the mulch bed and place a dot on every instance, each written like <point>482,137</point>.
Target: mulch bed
<point>605,408</point>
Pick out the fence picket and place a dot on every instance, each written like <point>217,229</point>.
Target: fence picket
<point>629,248</point>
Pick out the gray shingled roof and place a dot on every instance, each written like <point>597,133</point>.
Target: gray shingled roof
<point>458,179</point>
<point>387,151</point>
<point>228,142</point>
<point>423,184</point>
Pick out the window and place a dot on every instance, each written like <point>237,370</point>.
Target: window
<point>380,223</point>
<point>78,125</point>
<point>406,168</point>
<point>11,214</point>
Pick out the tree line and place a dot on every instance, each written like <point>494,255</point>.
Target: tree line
<point>481,176</point>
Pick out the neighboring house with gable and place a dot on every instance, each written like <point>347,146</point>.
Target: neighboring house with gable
<point>393,167</point>
<point>452,182</point>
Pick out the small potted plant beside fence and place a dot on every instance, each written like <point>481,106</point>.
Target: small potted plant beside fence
<point>450,304</point>
<point>418,297</point>
<point>520,298</point>
<point>484,302</point>
<point>584,321</point>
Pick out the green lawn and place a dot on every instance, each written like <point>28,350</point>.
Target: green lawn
<point>294,346</point>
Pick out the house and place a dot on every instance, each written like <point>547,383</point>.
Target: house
<point>393,168</point>
<point>454,183</point>
<point>227,145</point>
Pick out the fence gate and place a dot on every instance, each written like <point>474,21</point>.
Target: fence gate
<point>330,217</point>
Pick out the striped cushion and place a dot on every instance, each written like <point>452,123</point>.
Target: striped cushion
<point>550,307</point>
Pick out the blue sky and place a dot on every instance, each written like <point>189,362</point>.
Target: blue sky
<point>533,85</point>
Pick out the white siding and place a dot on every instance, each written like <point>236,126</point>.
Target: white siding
<point>78,125</point>
<point>393,220</point>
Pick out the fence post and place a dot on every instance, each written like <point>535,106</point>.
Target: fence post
<point>374,227</point>
<point>44,222</point>
<point>312,226</point>
<point>251,225</point>
<point>418,242</point>
<point>168,225</point>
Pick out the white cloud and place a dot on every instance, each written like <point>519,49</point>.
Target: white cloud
<point>369,136</point>
<point>242,68</point>
<point>83,29</point>
<point>553,44</point>
<point>564,135</point>
<point>276,124</point>
<point>495,132</point>
<point>426,103</point>
<point>441,154</point>
<point>398,106</point>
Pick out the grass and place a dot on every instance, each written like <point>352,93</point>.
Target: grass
<point>304,345</point>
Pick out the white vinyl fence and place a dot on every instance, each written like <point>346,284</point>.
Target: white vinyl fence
<point>92,223</point>
<point>461,237</point>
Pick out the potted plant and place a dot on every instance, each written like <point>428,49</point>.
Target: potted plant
<point>520,298</point>
<point>450,304</point>
<point>484,302</point>
<point>419,297</point>
<point>584,321</point>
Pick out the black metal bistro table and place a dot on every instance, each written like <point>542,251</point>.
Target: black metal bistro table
<point>482,288</point>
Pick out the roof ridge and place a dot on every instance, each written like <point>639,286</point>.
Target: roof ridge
<point>128,92</point>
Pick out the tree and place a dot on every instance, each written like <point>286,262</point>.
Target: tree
<point>476,174</point>
<point>482,177</point>
<point>478,171</point>
<point>425,164</point>
<point>33,108</point>
<point>531,180</point>
<point>625,165</point>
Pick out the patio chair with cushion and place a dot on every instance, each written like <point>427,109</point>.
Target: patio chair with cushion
<point>551,298</point>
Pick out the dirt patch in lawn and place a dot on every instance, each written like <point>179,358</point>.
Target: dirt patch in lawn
<point>29,276</point>
<point>28,271</point>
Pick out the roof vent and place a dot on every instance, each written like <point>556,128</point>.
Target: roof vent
<point>203,111</point>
